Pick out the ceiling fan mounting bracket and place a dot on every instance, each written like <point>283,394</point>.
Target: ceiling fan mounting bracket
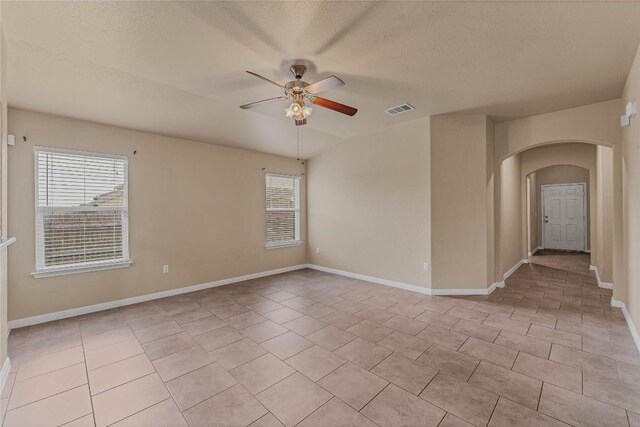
<point>298,70</point>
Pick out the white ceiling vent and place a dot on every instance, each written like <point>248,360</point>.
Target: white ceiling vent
<point>399,109</point>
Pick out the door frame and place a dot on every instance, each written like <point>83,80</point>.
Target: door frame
<point>585,223</point>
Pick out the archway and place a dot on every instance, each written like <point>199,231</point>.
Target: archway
<point>597,157</point>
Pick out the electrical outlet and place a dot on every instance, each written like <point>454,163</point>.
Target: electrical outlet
<point>426,266</point>
<point>165,268</point>
<point>317,250</point>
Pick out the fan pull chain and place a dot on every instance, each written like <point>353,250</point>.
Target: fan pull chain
<point>298,129</point>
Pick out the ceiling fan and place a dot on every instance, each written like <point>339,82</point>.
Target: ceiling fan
<point>298,90</point>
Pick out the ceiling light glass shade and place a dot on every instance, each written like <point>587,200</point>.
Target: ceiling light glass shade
<point>297,110</point>
<point>294,109</point>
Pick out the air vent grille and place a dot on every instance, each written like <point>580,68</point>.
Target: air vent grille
<point>399,109</point>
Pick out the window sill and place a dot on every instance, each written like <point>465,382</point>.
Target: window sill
<point>80,269</point>
<point>284,244</point>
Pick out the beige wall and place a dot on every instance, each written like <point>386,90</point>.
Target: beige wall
<point>604,213</point>
<point>534,216</point>
<point>511,213</point>
<point>565,174</point>
<point>595,123</point>
<point>197,207</point>
<point>369,205</point>
<point>460,199</point>
<point>4,329</point>
<point>631,196</point>
<point>491,200</point>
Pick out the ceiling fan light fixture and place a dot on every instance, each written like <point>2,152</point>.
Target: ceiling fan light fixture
<point>298,110</point>
<point>293,110</point>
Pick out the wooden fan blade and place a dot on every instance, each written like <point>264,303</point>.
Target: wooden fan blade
<point>255,104</point>
<point>330,82</point>
<point>335,106</point>
<point>265,79</point>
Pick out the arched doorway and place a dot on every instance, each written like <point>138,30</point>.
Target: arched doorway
<point>514,218</point>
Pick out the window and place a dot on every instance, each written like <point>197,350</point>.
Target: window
<point>283,210</point>
<point>81,211</point>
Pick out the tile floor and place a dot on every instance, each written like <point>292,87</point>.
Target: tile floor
<point>314,349</point>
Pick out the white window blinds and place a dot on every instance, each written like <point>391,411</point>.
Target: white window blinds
<point>283,210</point>
<point>81,209</point>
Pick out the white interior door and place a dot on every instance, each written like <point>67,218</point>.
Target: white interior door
<point>564,216</point>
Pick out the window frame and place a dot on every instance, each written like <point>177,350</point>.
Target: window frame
<point>296,209</point>
<point>41,270</point>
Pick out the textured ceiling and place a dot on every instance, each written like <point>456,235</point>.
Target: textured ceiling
<point>177,68</point>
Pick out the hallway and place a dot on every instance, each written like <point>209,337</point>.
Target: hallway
<point>314,349</point>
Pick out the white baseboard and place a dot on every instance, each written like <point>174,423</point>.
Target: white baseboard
<point>627,317</point>
<point>601,284</point>
<point>468,292</point>
<point>4,373</point>
<point>28,321</point>
<point>406,286</point>
<point>513,269</point>
<point>533,252</point>
<point>34,320</point>
<point>371,279</point>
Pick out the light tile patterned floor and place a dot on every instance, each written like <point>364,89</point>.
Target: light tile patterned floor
<point>314,349</point>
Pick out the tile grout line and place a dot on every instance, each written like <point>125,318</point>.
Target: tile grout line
<point>46,397</point>
<point>556,320</point>
<point>45,373</point>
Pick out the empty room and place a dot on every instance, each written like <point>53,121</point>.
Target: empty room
<point>319,213</point>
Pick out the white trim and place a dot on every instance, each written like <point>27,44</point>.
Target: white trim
<point>513,269</point>
<point>34,320</point>
<point>585,222</point>
<point>42,149</point>
<point>63,271</point>
<point>486,291</point>
<point>296,210</point>
<point>601,284</point>
<point>4,373</point>
<point>627,317</point>
<point>41,269</point>
<point>533,252</point>
<point>6,241</point>
<point>405,286</point>
<point>283,244</point>
<point>371,279</point>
